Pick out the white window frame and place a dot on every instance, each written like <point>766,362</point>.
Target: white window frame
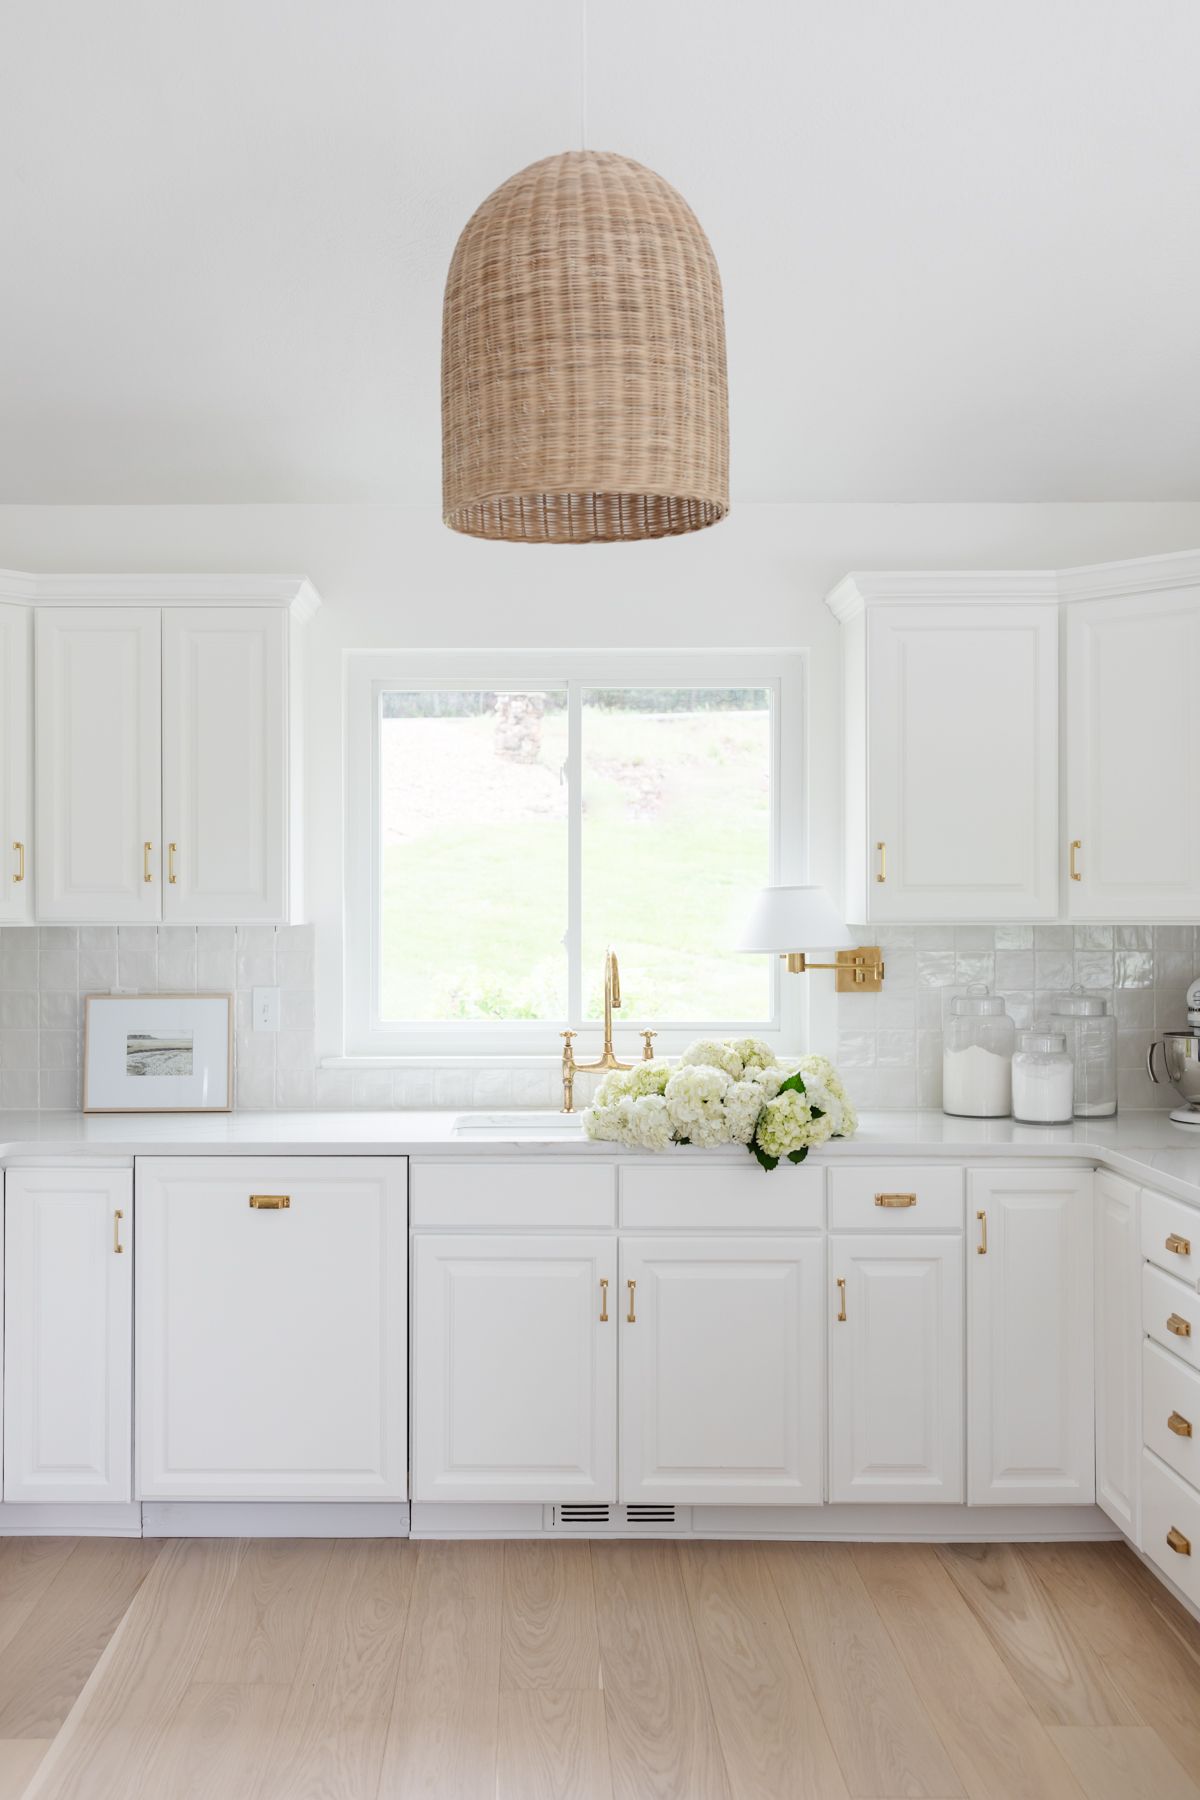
<point>371,673</point>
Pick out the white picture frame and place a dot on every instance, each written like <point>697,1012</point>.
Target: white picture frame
<point>157,1053</point>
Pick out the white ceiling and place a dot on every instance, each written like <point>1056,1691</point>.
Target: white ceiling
<point>959,238</point>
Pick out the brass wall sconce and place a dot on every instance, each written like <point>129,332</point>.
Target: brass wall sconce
<point>782,916</point>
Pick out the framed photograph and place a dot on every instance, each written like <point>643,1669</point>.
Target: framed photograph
<point>157,1053</point>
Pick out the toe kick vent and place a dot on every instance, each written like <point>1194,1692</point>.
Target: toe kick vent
<point>619,1520</point>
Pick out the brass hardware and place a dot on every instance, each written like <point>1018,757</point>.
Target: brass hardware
<point>882,874</point>
<point>270,1202</point>
<point>895,1199</point>
<point>1076,845</point>
<point>648,1038</point>
<point>118,1246</point>
<point>604,1300</point>
<point>607,1060</point>
<point>631,1315</point>
<point>981,1247</point>
<point>171,852</point>
<point>20,850</point>
<point>1179,1425</point>
<point>859,971</point>
<point>146,849</point>
<point>1178,1326</point>
<point>1179,1246</point>
<point>1181,1545</point>
<point>841,1300</point>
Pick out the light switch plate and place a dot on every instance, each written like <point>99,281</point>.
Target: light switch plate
<point>265,1008</point>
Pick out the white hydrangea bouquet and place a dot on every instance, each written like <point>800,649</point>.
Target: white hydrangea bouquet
<point>733,1092</point>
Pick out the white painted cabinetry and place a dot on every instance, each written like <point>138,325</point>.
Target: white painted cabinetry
<point>722,1370</point>
<point>1030,1395</point>
<point>68,1335</point>
<point>1117,1339</point>
<point>515,1368</point>
<point>271,1325</point>
<point>16,676</point>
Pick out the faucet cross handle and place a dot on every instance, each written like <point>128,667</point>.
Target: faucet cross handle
<point>648,1038</point>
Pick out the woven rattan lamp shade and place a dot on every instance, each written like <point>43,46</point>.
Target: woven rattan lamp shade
<point>583,361</point>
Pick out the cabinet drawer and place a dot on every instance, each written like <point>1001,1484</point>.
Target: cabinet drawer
<point>876,1198</point>
<point>1171,1314</point>
<point>526,1195</point>
<point>1171,1235</point>
<point>729,1196</point>
<point>1171,1525</point>
<point>1171,1412</point>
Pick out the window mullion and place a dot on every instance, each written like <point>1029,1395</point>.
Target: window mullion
<point>574,939</point>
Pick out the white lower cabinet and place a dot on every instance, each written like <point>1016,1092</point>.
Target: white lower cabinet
<point>722,1370</point>
<point>515,1368</point>
<point>68,1335</point>
<point>1116,1339</point>
<point>271,1328</point>
<point>895,1367</point>
<point>1030,1357</point>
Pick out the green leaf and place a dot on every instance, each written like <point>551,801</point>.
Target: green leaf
<point>765,1161</point>
<point>798,1155</point>
<point>793,1085</point>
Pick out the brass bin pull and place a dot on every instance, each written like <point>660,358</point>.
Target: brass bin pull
<point>604,1300</point>
<point>895,1199</point>
<point>1076,846</point>
<point>20,850</point>
<point>1179,1425</point>
<point>1179,1246</point>
<point>631,1315</point>
<point>1178,1326</point>
<point>118,1246</point>
<point>146,849</point>
<point>1182,1546</point>
<point>270,1202</point>
<point>981,1247</point>
<point>841,1282</point>
<point>172,852</point>
<point>882,849</point>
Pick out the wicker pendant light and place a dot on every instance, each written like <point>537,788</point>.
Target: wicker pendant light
<point>583,361</point>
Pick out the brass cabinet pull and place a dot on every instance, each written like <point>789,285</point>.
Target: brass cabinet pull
<point>1179,1425</point>
<point>895,1199</point>
<point>841,1282</point>
<point>270,1202</point>
<point>631,1315</point>
<point>118,1246</point>
<point>172,849</point>
<point>1181,1545</point>
<point>981,1247</point>
<point>1179,1326</point>
<point>604,1300</point>
<point>146,849</point>
<point>882,849</point>
<point>1179,1246</point>
<point>1076,846</point>
<point>20,850</point>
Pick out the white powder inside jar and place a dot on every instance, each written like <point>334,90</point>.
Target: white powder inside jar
<point>976,1083</point>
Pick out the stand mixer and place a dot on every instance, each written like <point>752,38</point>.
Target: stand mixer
<point>1181,1059</point>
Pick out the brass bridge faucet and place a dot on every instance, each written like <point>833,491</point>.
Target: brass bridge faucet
<point>608,1060</point>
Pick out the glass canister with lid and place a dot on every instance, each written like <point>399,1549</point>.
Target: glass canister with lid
<point>1043,1079</point>
<point>1090,1029</point>
<point>977,1050</point>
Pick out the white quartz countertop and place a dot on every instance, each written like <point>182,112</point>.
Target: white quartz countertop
<point>1145,1146</point>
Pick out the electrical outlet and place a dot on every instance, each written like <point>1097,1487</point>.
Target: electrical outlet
<point>266,1008</point>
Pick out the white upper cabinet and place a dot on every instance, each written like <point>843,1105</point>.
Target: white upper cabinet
<point>16,862</point>
<point>225,765</point>
<point>951,704</point>
<point>1133,794</point>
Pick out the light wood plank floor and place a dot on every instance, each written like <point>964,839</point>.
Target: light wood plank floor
<point>605,1671</point>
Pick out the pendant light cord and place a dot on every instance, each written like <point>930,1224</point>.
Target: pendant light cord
<point>583,81</point>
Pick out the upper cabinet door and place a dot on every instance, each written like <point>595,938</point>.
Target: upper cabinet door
<point>1133,796</point>
<point>961,765</point>
<point>98,764</point>
<point>225,764</point>
<point>16,864</point>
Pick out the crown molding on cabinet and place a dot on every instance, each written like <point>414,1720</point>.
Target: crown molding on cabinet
<point>1016,587</point>
<point>295,593</point>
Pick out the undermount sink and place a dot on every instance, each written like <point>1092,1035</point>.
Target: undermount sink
<point>518,1124</point>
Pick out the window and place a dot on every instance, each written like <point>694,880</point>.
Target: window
<point>510,817</point>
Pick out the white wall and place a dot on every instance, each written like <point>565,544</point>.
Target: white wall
<point>394,576</point>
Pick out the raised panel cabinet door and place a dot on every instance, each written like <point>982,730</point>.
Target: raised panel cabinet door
<point>225,764</point>
<point>722,1370</point>
<point>896,1368</point>
<point>272,1328</point>
<point>515,1368</point>
<point>1132,829</point>
<point>1117,1337</point>
<point>16,677</point>
<point>97,767</point>
<point>68,1335</point>
<point>962,762</point>
<point>1030,1396</point>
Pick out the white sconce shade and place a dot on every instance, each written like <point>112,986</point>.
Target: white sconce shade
<point>785,919</point>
